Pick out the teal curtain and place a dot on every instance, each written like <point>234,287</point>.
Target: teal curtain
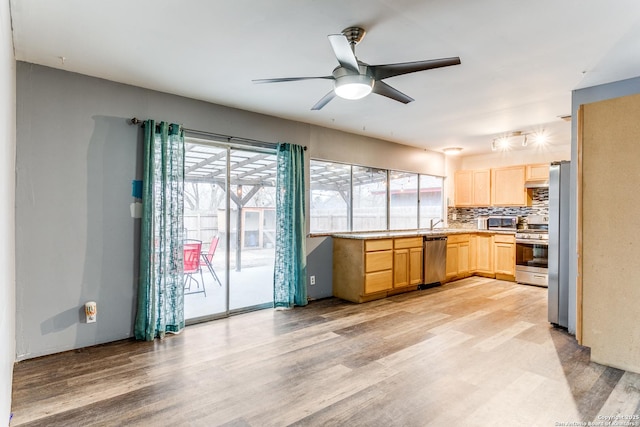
<point>161,288</point>
<point>290,274</point>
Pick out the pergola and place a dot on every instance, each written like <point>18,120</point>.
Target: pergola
<point>249,171</point>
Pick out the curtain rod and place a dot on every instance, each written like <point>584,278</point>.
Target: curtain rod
<point>136,121</point>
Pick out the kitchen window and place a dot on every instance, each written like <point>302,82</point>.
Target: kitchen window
<point>431,199</point>
<point>403,200</point>
<point>330,192</point>
<point>347,197</point>
<point>369,199</point>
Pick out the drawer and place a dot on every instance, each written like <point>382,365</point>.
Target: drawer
<point>378,245</point>
<point>408,242</point>
<point>504,238</point>
<point>378,281</point>
<point>458,238</point>
<point>377,261</point>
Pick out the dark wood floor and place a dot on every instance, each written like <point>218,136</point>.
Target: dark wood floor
<point>477,352</point>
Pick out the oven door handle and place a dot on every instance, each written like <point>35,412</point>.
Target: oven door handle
<point>533,242</point>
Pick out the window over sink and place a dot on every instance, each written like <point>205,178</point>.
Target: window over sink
<point>346,197</point>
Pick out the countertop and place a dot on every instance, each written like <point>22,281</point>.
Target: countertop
<point>416,233</point>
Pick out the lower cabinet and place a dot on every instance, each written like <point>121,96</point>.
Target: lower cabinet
<point>473,253</point>
<point>365,270</point>
<point>505,257</point>
<point>407,262</point>
<point>378,264</point>
<point>400,268</point>
<point>484,255</point>
<point>416,261</point>
<point>458,253</point>
<point>369,269</point>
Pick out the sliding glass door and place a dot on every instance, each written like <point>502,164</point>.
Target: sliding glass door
<point>230,211</point>
<point>253,218</point>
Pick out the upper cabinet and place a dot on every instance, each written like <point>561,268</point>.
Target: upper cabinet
<point>498,187</point>
<point>537,172</point>
<point>508,188</point>
<point>482,187</point>
<point>472,188</point>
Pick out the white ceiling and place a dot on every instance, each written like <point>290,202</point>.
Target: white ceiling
<point>520,58</point>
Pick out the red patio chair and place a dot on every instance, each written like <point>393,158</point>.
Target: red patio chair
<point>207,260</point>
<point>191,265</point>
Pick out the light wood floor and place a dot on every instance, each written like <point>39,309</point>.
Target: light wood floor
<point>476,352</point>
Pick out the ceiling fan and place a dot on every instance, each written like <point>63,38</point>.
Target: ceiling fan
<point>354,79</point>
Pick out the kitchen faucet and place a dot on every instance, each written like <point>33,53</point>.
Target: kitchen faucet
<point>433,224</point>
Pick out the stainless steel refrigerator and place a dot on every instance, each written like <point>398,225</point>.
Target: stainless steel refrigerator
<point>559,175</point>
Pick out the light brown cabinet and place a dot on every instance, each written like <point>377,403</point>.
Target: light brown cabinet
<point>362,269</point>
<point>481,254</point>
<point>484,255</point>
<point>463,193</point>
<point>497,187</point>
<point>407,262</point>
<point>482,187</point>
<point>505,257</point>
<point>368,269</point>
<point>400,268</point>
<point>458,253</point>
<point>415,266</point>
<point>378,265</point>
<point>507,187</point>
<point>537,172</point>
<point>473,252</point>
<point>472,188</point>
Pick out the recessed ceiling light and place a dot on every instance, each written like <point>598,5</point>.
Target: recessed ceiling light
<point>452,151</point>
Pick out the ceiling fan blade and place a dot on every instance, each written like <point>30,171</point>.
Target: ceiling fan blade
<point>324,101</point>
<point>390,70</point>
<point>343,52</point>
<point>384,89</point>
<point>290,79</point>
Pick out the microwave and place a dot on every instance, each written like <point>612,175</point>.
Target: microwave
<point>502,223</point>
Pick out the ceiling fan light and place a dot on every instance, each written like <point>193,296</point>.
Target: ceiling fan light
<point>353,86</point>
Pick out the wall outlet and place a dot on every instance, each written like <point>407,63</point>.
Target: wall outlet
<point>90,310</point>
<point>454,216</point>
<point>312,280</point>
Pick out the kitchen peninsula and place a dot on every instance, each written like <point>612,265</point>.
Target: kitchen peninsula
<point>370,266</point>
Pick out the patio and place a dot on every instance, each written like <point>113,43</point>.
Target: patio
<point>250,287</point>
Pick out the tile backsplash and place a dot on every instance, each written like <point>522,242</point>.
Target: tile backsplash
<point>466,217</point>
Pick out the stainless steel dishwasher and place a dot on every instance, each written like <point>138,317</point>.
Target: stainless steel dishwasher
<point>435,260</point>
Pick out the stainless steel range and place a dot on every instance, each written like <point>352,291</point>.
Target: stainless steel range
<point>532,252</point>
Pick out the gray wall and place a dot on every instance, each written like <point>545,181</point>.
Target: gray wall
<point>580,97</point>
<point>320,265</point>
<point>7,212</point>
<point>76,158</point>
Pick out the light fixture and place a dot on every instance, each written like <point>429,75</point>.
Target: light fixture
<point>540,138</point>
<point>505,142</point>
<point>501,143</point>
<point>353,86</point>
<point>452,151</point>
